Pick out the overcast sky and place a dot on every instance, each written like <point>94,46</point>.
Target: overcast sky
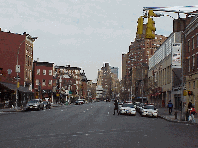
<point>82,33</point>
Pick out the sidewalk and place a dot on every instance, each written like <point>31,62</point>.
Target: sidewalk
<point>163,113</point>
<point>11,110</point>
<point>23,109</point>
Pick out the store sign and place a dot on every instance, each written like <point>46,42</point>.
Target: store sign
<point>176,55</point>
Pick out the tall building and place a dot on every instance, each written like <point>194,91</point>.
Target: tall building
<point>114,70</point>
<point>135,65</point>
<point>107,82</point>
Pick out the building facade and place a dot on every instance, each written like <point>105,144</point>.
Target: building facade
<point>16,60</point>
<point>43,80</point>
<point>164,75</point>
<point>191,61</point>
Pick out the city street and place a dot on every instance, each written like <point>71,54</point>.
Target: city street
<point>92,125</point>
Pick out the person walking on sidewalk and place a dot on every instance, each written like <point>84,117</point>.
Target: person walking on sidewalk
<point>116,106</point>
<point>170,106</point>
<point>192,113</point>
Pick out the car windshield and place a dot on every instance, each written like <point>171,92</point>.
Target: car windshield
<point>149,107</point>
<point>44,102</point>
<point>128,105</point>
<point>33,101</point>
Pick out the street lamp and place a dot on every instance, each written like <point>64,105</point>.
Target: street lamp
<point>18,69</point>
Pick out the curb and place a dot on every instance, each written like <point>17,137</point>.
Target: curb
<point>176,120</point>
<point>13,111</point>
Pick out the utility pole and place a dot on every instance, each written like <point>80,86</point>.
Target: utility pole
<point>142,85</point>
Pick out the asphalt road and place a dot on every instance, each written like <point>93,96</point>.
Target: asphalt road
<point>90,126</point>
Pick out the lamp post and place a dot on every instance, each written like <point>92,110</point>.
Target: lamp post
<point>18,69</point>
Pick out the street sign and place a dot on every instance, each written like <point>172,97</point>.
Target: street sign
<point>17,68</point>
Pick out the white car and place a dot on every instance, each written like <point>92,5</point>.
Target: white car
<point>127,108</point>
<point>136,104</point>
<point>35,104</point>
<point>149,110</point>
<point>120,104</point>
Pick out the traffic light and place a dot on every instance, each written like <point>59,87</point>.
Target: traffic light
<point>185,92</point>
<point>18,84</point>
<point>151,13</point>
<point>140,26</point>
<point>150,29</point>
<point>190,93</point>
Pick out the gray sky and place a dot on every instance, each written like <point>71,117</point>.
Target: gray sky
<point>82,33</point>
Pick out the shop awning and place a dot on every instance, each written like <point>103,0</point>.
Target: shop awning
<point>13,87</point>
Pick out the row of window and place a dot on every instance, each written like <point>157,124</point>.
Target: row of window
<point>44,82</point>
<point>193,85</point>
<point>44,72</point>
<point>193,43</point>
<point>194,63</point>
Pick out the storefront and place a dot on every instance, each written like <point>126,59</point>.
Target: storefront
<point>8,95</point>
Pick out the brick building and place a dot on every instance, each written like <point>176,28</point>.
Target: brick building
<point>43,80</point>
<point>135,66</point>
<point>16,48</point>
<point>191,59</point>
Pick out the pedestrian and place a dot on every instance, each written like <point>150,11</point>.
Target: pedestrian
<point>170,106</point>
<point>192,113</point>
<point>190,105</point>
<point>116,106</point>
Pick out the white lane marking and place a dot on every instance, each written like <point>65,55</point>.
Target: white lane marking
<point>74,135</point>
<point>87,134</point>
<point>79,132</point>
<point>61,110</point>
<point>87,109</point>
<point>100,133</point>
<point>108,112</point>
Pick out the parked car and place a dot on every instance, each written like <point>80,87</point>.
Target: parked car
<point>149,110</point>
<point>140,107</point>
<point>136,104</point>
<point>128,109</point>
<point>47,104</point>
<point>120,104</point>
<point>128,102</point>
<point>79,102</point>
<point>35,104</point>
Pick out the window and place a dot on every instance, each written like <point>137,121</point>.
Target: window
<point>188,45</point>
<point>37,81</point>
<point>50,82</point>
<point>50,72</point>
<point>193,43</point>
<point>189,84</point>
<point>43,82</point>
<point>197,40</point>
<point>30,75</point>
<point>193,84</point>
<point>44,72</point>
<point>188,65</point>
<point>197,60</point>
<point>38,72</point>
<point>193,59</point>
